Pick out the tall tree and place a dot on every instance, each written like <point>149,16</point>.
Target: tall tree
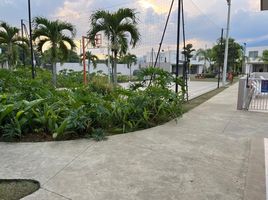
<point>52,35</point>
<point>117,27</point>
<point>235,53</point>
<point>129,59</point>
<point>188,53</point>
<point>10,39</point>
<point>206,55</point>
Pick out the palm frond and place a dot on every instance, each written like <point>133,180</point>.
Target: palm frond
<point>62,26</point>
<point>132,30</point>
<point>126,14</point>
<point>69,41</point>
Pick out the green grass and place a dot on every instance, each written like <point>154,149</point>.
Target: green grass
<point>17,189</point>
<point>204,79</point>
<point>201,99</point>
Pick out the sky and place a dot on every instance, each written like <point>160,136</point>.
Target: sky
<point>204,19</point>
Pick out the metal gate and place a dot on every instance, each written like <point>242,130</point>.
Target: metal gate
<point>258,94</point>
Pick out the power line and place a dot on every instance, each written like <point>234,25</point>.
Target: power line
<point>205,15</point>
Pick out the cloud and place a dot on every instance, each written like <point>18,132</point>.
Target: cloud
<point>156,5</point>
<point>7,2</point>
<point>203,18</point>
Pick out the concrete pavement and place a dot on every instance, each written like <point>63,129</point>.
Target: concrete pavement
<point>196,88</point>
<point>214,152</point>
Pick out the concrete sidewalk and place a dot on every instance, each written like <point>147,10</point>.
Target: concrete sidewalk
<point>214,152</point>
<point>196,88</point>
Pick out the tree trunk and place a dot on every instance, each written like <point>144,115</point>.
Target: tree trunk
<point>130,75</point>
<point>115,67</point>
<point>88,69</point>
<point>54,74</point>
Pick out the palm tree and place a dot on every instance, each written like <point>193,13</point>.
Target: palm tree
<point>117,27</point>
<point>129,59</point>
<point>206,55</point>
<point>51,35</point>
<point>10,39</point>
<point>91,59</point>
<point>265,56</point>
<point>3,60</point>
<point>187,52</point>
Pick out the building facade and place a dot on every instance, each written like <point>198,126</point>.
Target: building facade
<point>167,61</point>
<point>254,61</point>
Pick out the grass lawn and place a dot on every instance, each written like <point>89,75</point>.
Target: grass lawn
<point>17,189</point>
<point>201,99</point>
<point>204,79</point>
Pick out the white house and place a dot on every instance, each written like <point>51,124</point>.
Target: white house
<point>167,61</point>
<point>254,62</point>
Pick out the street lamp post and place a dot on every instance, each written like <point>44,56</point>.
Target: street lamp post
<point>31,38</point>
<point>244,58</point>
<point>22,35</point>
<point>178,45</point>
<point>226,44</point>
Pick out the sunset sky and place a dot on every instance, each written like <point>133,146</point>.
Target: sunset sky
<point>203,18</point>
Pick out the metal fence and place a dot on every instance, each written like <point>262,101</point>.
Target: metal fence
<point>253,93</point>
<point>258,96</point>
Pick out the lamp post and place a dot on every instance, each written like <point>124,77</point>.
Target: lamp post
<point>22,35</point>
<point>226,44</point>
<point>178,45</point>
<point>244,57</point>
<point>31,38</point>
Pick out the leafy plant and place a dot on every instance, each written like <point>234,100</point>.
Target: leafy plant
<point>98,134</point>
<point>34,106</point>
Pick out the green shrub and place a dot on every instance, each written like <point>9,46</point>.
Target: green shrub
<point>98,134</point>
<point>209,75</point>
<point>34,106</point>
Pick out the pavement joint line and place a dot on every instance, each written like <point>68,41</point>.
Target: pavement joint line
<point>266,164</point>
<point>69,163</point>
<point>247,166</point>
<point>55,193</point>
<point>227,124</point>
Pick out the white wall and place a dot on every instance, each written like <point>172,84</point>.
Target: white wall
<point>260,52</point>
<point>121,68</point>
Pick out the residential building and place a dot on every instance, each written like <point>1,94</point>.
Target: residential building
<point>167,61</point>
<point>254,62</point>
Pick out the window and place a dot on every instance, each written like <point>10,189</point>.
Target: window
<point>253,54</point>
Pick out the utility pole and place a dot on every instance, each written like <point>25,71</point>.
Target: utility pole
<point>244,57</point>
<point>31,38</point>
<point>152,55</point>
<point>186,60</point>
<point>109,61</point>
<point>226,44</point>
<point>220,59</point>
<point>178,44</point>
<point>163,35</point>
<point>22,35</point>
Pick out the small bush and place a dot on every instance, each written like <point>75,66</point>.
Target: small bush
<point>98,134</point>
<point>209,75</point>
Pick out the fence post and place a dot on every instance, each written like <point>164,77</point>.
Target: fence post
<point>242,94</point>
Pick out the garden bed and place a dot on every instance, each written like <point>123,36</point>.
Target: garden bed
<point>33,110</point>
<point>17,189</point>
